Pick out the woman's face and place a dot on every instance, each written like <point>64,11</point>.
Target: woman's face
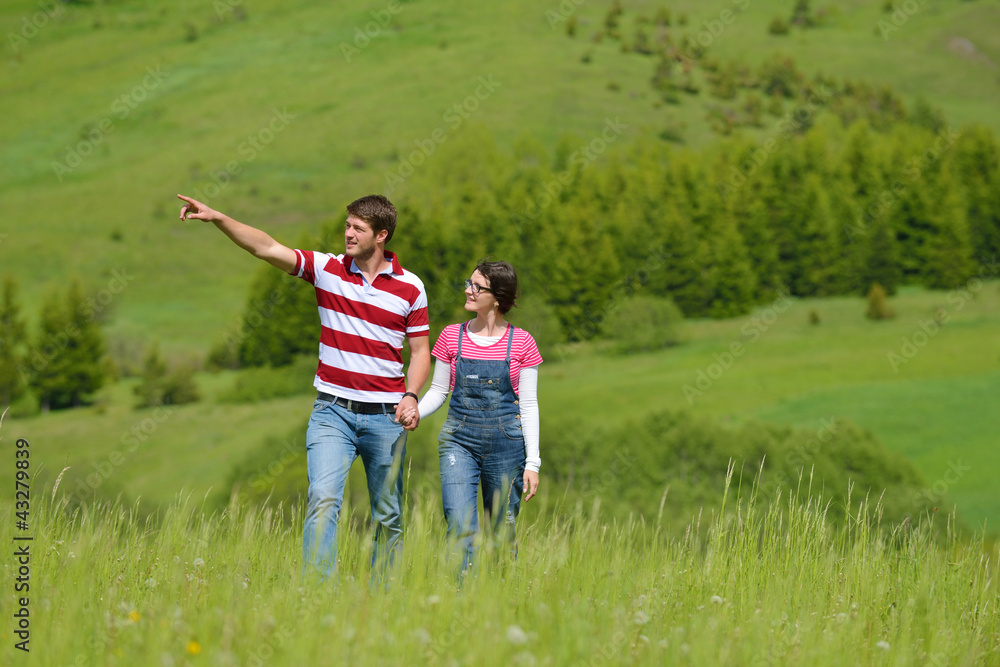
<point>478,298</point>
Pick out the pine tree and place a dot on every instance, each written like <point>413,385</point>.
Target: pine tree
<point>154,372</point>
<point>733,279</point>
<point>947,251</point>
<point>68,363</point>
<point>882,257</point>
<point>977,156</point>
<point>812,262</point>
<point>279,320</point>
<point>12,344</point>
<point>86,349</point>
<point>878,305</point>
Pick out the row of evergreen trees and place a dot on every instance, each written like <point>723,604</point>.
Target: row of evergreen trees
<point>826,212</point>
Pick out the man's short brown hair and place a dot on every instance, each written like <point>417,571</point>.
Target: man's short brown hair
<point>377,211</point>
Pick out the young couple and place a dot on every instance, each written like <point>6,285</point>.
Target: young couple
<point>368,303</point>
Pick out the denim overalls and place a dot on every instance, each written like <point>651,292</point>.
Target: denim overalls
<point>481,441</point>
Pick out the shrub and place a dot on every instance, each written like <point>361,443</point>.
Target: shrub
<point>878,305</point>
<point>264,383</point>
<point>644,323</point>
<point>778,26</point>
<point>161,386</point>
<point>631,465</point>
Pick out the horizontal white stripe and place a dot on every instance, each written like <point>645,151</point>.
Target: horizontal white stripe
<point>355,395</point>
<point>376,297</point>
<point>348,324</point>
<point>359,363</point>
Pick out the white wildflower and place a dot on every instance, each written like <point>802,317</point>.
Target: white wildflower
<point>515,635</point>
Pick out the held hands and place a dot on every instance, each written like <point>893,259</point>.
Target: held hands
<point>195,210</point>
<point>530,480</point>
<point>406,413</point>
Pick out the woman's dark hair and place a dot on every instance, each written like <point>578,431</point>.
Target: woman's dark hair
<point>503,283</point>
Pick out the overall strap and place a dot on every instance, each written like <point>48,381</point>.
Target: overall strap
<point>461,335</point>
<point>510,339</point>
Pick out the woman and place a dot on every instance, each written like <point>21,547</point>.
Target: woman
<point>491,434</point>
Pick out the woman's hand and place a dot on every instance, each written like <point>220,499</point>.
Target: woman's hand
<point>530,484</point>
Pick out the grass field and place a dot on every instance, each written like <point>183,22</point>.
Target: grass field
<point>163,96</point>
<point>774,586</point>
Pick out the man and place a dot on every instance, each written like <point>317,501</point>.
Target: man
<point>367,304</point>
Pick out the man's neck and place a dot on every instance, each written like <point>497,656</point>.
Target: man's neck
<point>372,265</point>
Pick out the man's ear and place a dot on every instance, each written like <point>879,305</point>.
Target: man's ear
<point>382,236</point>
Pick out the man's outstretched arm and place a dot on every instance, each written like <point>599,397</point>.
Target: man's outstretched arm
<point>257,243</point>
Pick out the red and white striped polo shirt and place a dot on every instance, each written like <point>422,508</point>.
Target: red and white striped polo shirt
<point>523,351</point>
<point>363,325</point>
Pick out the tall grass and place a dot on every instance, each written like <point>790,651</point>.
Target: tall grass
<point>752,585</point>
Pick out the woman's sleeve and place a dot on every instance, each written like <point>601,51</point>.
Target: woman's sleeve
<point>528,402</point>
<point>438,393</point>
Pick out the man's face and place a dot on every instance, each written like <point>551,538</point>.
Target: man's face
<point>359,238</point>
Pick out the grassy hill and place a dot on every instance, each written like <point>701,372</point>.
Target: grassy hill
<point>163,97</point>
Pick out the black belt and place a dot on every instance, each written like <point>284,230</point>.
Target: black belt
<point>358,406</point>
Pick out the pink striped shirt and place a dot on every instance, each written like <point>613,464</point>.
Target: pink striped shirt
<point>523,351</point>
<point>362,325</point>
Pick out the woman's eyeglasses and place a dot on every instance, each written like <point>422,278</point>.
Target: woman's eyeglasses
<point>476,289</point>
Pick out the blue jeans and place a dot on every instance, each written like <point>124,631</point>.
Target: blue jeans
<point>335,437</point>
<point>473,454</point>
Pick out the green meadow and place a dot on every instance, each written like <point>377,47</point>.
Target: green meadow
<point>764,585</point>
<point>145,551</point>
